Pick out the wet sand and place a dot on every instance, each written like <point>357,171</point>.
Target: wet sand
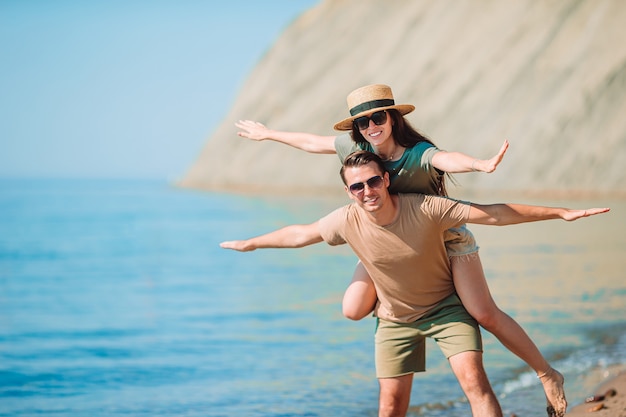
<point>606,404</point>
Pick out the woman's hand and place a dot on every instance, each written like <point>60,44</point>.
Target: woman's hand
<point>458,162</point>
<point>489,165</point>
<point>253,130</point>
<point>571,215</point>
<point>300,140</point>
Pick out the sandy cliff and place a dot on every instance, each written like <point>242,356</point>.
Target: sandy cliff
<point>549,76</point>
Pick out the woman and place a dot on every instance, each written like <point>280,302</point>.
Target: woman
<point>415,165</point>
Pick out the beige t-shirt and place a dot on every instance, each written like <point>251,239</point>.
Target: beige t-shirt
<point>406,259</point>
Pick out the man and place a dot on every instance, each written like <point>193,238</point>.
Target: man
<point>399,239</point>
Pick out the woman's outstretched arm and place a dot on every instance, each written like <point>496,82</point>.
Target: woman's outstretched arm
<point>305,141</point>
<point>457,162</point>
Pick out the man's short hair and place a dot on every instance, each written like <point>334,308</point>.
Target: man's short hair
<point>361,158</point>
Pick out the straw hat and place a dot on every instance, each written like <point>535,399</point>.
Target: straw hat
<point>367,100</point>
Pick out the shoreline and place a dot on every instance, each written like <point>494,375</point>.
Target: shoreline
<point>607,405</point>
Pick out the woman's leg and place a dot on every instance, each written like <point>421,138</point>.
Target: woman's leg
<point>360,296</point>
<point>471,286</point>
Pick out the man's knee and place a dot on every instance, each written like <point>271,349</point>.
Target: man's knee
<point>395,394</point>
<point>391,408</point>
<point>391,412</point>
<point>476,385</point>
<point>469,370</point>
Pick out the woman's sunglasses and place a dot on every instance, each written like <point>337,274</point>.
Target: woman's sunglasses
<point>379,118</point>
<point>373,183</point>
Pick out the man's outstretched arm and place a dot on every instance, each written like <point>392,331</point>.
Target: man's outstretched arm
<point>294,236</point>
<point>505,214</point>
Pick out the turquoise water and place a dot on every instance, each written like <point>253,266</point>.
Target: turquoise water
<point>115,299</point>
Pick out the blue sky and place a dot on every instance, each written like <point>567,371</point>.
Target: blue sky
<point>124,89</point>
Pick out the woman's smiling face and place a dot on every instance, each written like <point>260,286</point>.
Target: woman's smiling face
<point>375,134</point>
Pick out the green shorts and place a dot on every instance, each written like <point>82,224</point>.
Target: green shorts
<point>400,348</point>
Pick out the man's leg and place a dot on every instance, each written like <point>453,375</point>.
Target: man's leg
<point>395,394</point>
<point>468,368</point>
<point>472,288</point>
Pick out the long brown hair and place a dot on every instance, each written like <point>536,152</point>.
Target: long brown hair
<point>404,135</point>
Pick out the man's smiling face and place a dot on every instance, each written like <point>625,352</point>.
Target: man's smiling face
<point>367,186</point>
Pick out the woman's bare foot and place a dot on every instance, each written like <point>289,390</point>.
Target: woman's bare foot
<point>552,381</point>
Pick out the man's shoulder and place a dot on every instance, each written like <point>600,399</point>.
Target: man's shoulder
<point>413,197</point>
<point>332,227</point>
<point>427,197</point>
<point>427,202</point>
<point>340,213</point>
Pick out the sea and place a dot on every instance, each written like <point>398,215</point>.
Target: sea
<point>117,300</point>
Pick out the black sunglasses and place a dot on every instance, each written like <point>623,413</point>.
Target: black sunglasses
<point>379,118</point>
<point>373,183</point>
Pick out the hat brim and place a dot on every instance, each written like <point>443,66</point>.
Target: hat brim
<point>346,124</point>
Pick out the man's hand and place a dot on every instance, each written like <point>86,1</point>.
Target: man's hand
<point>571,215</point>
<point>238,245</point>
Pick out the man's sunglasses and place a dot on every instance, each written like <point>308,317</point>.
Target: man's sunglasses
<point>373,183</point>
<point>379,118</point>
